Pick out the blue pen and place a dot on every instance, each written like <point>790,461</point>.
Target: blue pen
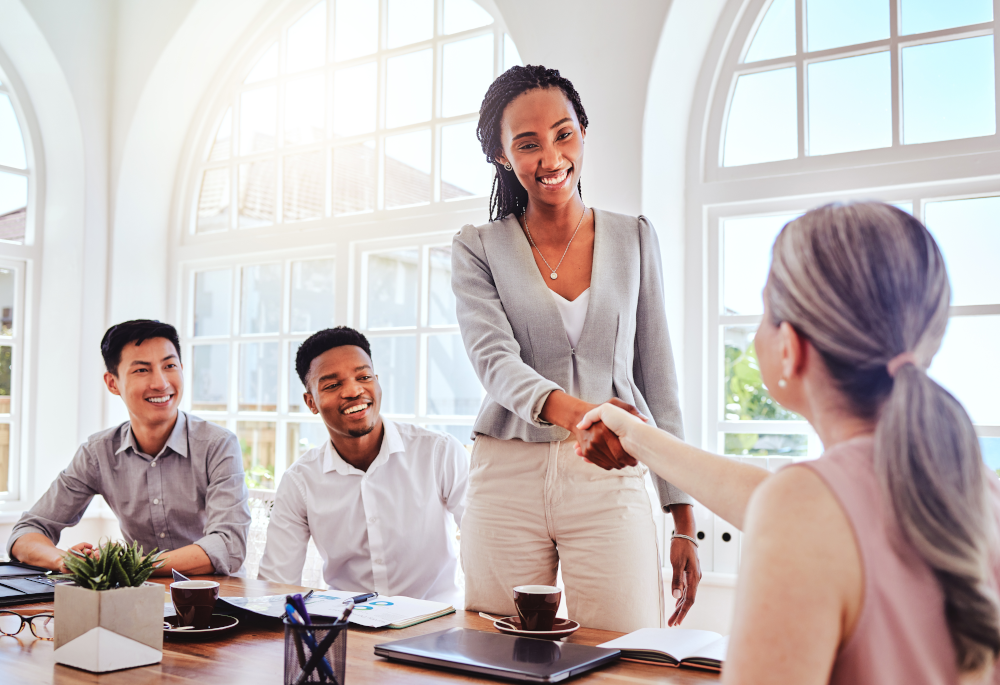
<point>294,616</point>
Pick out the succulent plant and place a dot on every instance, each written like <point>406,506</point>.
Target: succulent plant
<point>112,565</point>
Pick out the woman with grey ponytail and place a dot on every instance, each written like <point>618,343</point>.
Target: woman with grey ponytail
<point>880,561</point>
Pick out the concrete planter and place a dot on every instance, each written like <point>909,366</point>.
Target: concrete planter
<point>109,630</point>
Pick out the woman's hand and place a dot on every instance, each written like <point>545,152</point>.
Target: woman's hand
<point>600,445</point>
<point>618,417</point>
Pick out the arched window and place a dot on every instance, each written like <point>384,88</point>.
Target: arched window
<point>17,252</point>
<point>821,100</point>
<point>325,186</point>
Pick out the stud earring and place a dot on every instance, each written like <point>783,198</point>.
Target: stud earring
<point>508,167</point>
<point>782,383</point>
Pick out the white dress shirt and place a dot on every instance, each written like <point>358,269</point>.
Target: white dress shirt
<point>387,529</point>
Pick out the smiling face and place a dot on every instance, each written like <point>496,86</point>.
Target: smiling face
<point>150,380</point>
<point>543,141</point>
<point>342,387</point>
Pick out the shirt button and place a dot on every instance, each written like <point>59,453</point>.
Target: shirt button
<point>372,520</point>
<point>378,561</point>
<point>152,463</point>
<point>163,535</point>
<point>156,501</point>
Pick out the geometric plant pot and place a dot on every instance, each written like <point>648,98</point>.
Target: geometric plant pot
<point>108,630</point>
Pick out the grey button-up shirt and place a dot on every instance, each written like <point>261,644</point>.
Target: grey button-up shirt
<point>192,492</point>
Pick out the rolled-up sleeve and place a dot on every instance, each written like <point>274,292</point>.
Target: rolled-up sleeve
<point>653,366</point>
<point>227,514</point>
<point>488,336</point>
<point>454,464</point>
<point>64,503</point>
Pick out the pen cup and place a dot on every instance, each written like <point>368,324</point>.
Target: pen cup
<point>315,653</point>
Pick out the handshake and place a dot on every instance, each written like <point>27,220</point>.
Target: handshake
<point>600,445</point>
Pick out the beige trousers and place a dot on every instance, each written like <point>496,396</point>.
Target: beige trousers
<point>532,505</point>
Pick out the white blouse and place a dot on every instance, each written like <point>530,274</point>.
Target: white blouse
<point>574,315</point>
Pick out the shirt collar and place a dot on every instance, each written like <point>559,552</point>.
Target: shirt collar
<point>177,440</point>
<point>392,443</point>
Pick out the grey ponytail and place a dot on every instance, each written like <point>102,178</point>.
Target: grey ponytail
<point>866,282</point>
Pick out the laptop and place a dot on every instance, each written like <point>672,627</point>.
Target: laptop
<point>523,659</point>
<point>23,584</point>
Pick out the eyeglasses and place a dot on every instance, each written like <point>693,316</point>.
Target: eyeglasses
<point>42,625</point>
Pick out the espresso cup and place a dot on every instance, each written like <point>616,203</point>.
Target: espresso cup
<point>194,601</point>
<point>537,605</point>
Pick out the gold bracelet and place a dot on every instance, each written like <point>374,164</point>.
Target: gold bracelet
<point>686,537</point>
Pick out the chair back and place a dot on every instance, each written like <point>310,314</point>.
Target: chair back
<point>261,502</point>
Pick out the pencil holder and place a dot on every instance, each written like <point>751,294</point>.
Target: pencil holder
<point>315,653</point>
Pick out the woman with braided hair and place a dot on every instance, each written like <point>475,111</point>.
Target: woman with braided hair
<point>879,562</point>
<point>561,307</point>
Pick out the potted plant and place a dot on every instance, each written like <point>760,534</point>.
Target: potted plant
<point>109,617</point>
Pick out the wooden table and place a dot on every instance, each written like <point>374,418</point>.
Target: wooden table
<point>254,653</point>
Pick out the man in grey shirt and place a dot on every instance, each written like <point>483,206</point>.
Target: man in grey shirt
<point>173,480</point>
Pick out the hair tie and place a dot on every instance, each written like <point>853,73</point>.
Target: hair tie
<point>900,360</point>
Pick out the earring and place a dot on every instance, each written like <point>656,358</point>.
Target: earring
<point>508,167</point>
<point>782,383</point>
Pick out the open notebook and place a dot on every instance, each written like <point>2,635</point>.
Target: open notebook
<point>673,647</point>
<point>391,612</point>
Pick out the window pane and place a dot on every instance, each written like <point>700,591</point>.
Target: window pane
<point>13,207</point>
<point>212,297</point>
<point>266,67</point>
<point>408,88</point>
<point>850,104</point>
<point>744,396</point>
<point>11,141</point>
<point>746,260</point>
<point>948,90</point>
<point>355,101</point>
<point>303,437</point>
<point>7,278</point>
<point>464,169</point>
<point>6,356</point>
<point>453,388</point>
<point>312,295</point>
<point>754,445</point>
<point>834,23</point>
<point>463,15</point>
<point>393,283</point>
<point>762,124</point>
<point>441,303</point>
<point>965,365</point>
<point>990,448</point>
<point>775,36</point>
<point>306,47</point>
<point>463,433</point>
<point>303,186</point>
<point>256,194</point>
<point>213,202</point>
<point>511,57</point>
<point>258,117</point>
<point>968,233</point>
<point>468,73</point>
<point>304,119</point>
<point>356,28</point>
<point>395,360</point>
<point>210,373</point>
<point>295,387</point>
<point>408,169</point>
<point>354,181</point>
<point>410,21</point>
<point>4,457</point>
<point>219,149</point>
<point>261,301</point>
<point>259,376</point>
<point>257,440</point>
<point>933,15</point>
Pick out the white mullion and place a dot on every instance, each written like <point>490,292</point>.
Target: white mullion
<point>15,171</point>
<point>800,76</point>
<point>985,431</point>
<point>974,310</point>
<point>779,427</point>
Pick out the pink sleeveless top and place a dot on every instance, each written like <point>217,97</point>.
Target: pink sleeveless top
<point>901,635</point>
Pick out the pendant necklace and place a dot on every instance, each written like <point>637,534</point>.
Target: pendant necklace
<point>554,275</point>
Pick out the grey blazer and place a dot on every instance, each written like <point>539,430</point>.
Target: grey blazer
<point>515,337</point>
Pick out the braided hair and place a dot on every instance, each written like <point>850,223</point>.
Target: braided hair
<point>508,196</point>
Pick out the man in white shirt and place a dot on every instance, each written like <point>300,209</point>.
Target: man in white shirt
<point>378,497</point>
